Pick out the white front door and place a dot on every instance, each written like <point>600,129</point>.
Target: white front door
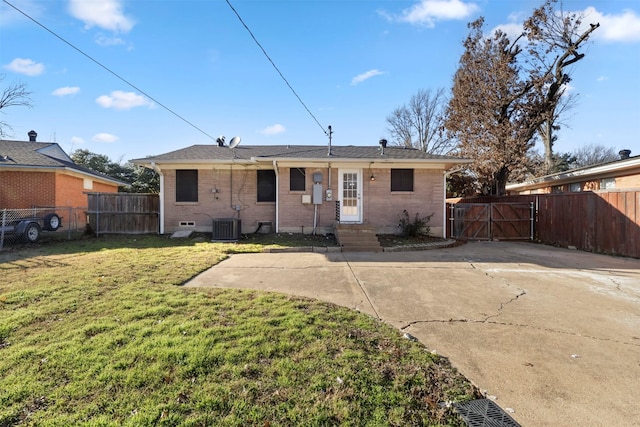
<point>350,184</point>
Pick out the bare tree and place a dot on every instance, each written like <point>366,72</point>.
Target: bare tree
<point>420,123</point>
<point>554,39</point>
<point>14,95</point>
<point>593,154</point>
<point>505,92</point>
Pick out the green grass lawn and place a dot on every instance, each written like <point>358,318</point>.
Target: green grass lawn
<point>98,331</point>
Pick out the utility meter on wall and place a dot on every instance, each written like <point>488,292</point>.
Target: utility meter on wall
<point>329,195</point>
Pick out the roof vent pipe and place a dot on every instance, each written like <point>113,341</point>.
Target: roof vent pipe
<point>624,154</point>
<point>32,136</point>
<point>220,141</point>
<point>383,145</point>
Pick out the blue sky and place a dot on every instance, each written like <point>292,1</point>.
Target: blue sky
<point>352,62</point>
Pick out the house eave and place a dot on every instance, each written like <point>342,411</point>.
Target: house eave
<point>593,172</point>
<point>445,164</point>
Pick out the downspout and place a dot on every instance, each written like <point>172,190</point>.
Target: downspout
<point>160,195</point>
<point>444,205</point>
<point>275,169</point>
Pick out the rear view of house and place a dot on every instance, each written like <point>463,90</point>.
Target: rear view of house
<point>299,188</point>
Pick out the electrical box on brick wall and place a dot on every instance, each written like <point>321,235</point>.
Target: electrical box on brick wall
<point>317,194</point>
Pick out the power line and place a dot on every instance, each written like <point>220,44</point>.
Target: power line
<point>110,71</point>
<point>274,66</point>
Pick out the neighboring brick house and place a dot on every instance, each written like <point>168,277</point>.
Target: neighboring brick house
<point>623,174</point>
<point>40,174</point>
<point>299,188</point>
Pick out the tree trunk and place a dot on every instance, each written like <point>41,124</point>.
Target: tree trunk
<point>546,134</point>
<point>500,181</point>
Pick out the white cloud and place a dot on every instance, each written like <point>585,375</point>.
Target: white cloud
<point>364,76</point>
<point>25,66</point>
<point>105,14</point>
<point>67,90</point>
<point>106,41</point>
<point>123,100</point>
<point>104,137</point>
<point>273,129</point>
<point>428,12</point>
<point>623,27</point>
<point>77,140</point>
<point>602,78</point>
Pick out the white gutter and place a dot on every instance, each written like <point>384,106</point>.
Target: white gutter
<point>275,169</point>
<point>160,195</point>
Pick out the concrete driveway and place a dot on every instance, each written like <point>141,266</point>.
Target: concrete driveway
<point>552,335</point>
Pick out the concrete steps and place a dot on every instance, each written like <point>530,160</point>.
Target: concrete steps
<point>357,238</point>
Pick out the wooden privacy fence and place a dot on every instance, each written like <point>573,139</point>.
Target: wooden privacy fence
<point>123,213</point>
<point>599,221</point>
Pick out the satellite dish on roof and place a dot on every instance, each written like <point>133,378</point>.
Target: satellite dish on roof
<point>235,141</point>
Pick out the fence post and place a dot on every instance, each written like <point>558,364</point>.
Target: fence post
<point>532,216</point>
<point>97,214</point>
<point>4,216</point>
<point>451,219</point>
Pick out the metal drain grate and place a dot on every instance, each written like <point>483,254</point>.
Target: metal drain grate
<point>484,413</point>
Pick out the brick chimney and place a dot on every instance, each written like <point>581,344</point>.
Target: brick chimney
<point>32,136</point>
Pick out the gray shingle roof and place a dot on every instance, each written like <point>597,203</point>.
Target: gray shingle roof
<point>23,153</point>
<point>46,155</point>
<point>316,152</point>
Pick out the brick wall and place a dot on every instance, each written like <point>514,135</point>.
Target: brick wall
<point>629,181</point>
<point>381,207</point>
<point>23,190</point>
<point>238,188</point>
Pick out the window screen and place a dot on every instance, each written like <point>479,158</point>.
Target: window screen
<point>296,179</point>
<point>266,186</point>
<point>401,179</point>
<point>186,185</point>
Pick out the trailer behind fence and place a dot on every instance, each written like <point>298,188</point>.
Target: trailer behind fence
<point>29,225</point>
<point>123,213</point>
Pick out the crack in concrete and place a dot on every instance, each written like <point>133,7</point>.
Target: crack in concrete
<point>519,325</point>
<point>619,288</point>
<point>362,288</point>
<point>504,304</point>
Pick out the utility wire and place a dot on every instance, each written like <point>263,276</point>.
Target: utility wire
<point>110,71</point>
<point>274,66</point>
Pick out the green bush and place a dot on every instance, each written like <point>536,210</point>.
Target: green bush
<point>418,226</point>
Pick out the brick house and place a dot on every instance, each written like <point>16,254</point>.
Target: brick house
<point>40,174</point>
<point>623,174</point>
<point>299,188</point>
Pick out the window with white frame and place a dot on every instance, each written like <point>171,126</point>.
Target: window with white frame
<point>607,183</point>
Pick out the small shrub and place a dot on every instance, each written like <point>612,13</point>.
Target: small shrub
<point>418,226</point>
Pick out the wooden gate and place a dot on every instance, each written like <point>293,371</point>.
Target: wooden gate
<point>487,221</point>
